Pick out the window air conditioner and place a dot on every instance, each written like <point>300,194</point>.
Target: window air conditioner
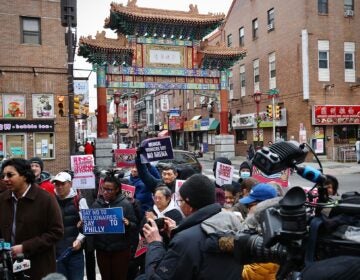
<point>349,13</point>
<point>270,26</point>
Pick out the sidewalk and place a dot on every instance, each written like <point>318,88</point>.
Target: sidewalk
<point>331,167</point>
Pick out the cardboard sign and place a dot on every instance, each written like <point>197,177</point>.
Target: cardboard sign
<point>125,157</point>
<point>103,220</point>
<point>224,174</point>
<point>156,149</point>
<point>83,166</point>
<point>281,178</point>
<point>128,190</point>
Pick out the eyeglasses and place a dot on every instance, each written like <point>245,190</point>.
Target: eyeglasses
<point>180,202</point>
<point>108,190</point>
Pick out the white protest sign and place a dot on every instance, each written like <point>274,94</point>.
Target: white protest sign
<point>83,166</point>
<point>224,174</point>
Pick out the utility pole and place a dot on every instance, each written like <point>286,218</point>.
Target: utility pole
<point>68,20</point>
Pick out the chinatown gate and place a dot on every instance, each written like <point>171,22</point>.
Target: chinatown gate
<point>159,50</point>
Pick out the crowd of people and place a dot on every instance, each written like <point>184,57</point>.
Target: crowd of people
<point>40,216</point>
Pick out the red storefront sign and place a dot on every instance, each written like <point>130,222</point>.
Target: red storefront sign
<point>336,114</point>
<point>176,123</point>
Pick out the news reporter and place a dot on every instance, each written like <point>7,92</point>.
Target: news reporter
<point>30,218</point>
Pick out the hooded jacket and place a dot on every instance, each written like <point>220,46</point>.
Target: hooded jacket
<point>44,182</point>
<point>121,241</point>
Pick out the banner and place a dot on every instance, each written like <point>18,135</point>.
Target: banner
<point>281,178</point>
<point>128,190</point>
<point>224,174</point>
<point>155,149</point>
<point>103,220</point>
<point>125,157</point>
<point>83,166</point>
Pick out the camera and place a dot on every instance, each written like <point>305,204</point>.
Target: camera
<point>160,222</point>
<point>293,234</point>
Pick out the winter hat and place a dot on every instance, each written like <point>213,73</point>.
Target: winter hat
<point>259,192</point>
<point>198,191</point>
<point>38,161</point>
<point>221,160</point>
<point>246,164</point>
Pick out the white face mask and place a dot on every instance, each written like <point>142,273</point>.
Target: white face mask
<point>244,174</point>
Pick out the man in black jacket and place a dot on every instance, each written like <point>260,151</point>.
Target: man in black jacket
<point>188,255</point>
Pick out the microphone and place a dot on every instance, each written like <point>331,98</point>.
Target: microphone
<point>21,264</point>
<point>310,173</point>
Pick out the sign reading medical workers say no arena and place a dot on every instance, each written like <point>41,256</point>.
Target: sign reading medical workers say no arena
<point>103,220</point>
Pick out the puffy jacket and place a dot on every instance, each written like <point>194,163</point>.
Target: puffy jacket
<point>45,183</point>
<point>121,241</point>
<point>260,271</point>
<point>188,255</point>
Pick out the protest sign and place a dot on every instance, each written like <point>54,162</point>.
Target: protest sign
<point>178,184</point>
<point>128,190</point>
<point>281,178</point>
<point>83,166</point>
<point>103,220</point>
<point>125,157</point>
<point>224,174</point>
<point>155,149</point>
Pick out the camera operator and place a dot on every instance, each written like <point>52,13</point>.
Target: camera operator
<point>188,256</point>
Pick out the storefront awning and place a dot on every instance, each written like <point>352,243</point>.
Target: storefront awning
<point>195,118</point>
<point>214,125</point>
<point>163,133</point>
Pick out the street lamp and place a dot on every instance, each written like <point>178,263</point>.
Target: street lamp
<point>117,123</point>
<point>257,99</point>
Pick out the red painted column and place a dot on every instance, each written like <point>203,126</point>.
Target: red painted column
<point>102,130</point>
<point>224,106</point>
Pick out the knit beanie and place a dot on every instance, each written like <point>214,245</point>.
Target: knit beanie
<point>246,164</point>
<point>221,160</point>
<point>198,191</point>
<point>38,161</point>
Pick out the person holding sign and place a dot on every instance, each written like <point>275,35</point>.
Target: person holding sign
<point>188,256</point>
<point>113,250</point>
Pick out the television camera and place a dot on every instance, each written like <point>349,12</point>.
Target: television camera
<point>293,232</point>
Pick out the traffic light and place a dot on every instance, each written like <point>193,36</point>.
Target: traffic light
<point>61,105</point>
<point>269,111</point>
<point>277,112</point>
<point>76,106</point>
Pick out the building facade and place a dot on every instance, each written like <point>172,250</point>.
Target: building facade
<point>33,83</point>
<point>302,56</point>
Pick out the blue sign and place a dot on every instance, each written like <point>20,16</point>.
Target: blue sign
<point>155,149</point>
<point>205,122</point>
<point>103,220</point>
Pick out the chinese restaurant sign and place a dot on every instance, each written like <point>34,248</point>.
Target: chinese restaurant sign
<point>336,114</point>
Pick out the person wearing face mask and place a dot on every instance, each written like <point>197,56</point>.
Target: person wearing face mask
<point>245,170</point>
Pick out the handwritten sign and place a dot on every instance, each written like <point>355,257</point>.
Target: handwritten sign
<point>83,166</point>
<point>156,149</point>
<point>224,173</point>
<point>125,157</point>
<point>128,190</point>
<point>103,220</point>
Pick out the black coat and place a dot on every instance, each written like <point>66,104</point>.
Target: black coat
<point>188,255</point>
<point>121,241</point>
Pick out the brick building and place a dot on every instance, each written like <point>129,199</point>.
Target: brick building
<point>308,51</point>
<point>33,74</point>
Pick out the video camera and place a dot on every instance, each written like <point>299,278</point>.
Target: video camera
<point>293,235</point>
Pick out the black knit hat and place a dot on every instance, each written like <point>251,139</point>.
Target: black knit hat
<point>221,160</point>
<point>198,191</point>
<point>246,164</point>
<point>38,161</point>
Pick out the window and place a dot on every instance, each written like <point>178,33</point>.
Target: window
<point>348,5</point>
<point>271,19</point>
<point>345,134</point>
<point>242,80</point>
<point>241,135</point>
<point>229,40</point>
<point>241,37</point>
<point>256,75</point>
<point>15,145</point>
<point>255,28</point>
<point>272,71</point>
<point>323,7</point>
<point>349,62</point>
<point>44,145</point>
<point>323,56</point>
<point>30,33</point>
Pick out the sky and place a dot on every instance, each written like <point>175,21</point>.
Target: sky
<point>92,13</point>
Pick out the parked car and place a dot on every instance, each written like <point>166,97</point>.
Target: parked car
<point>182,159</point>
